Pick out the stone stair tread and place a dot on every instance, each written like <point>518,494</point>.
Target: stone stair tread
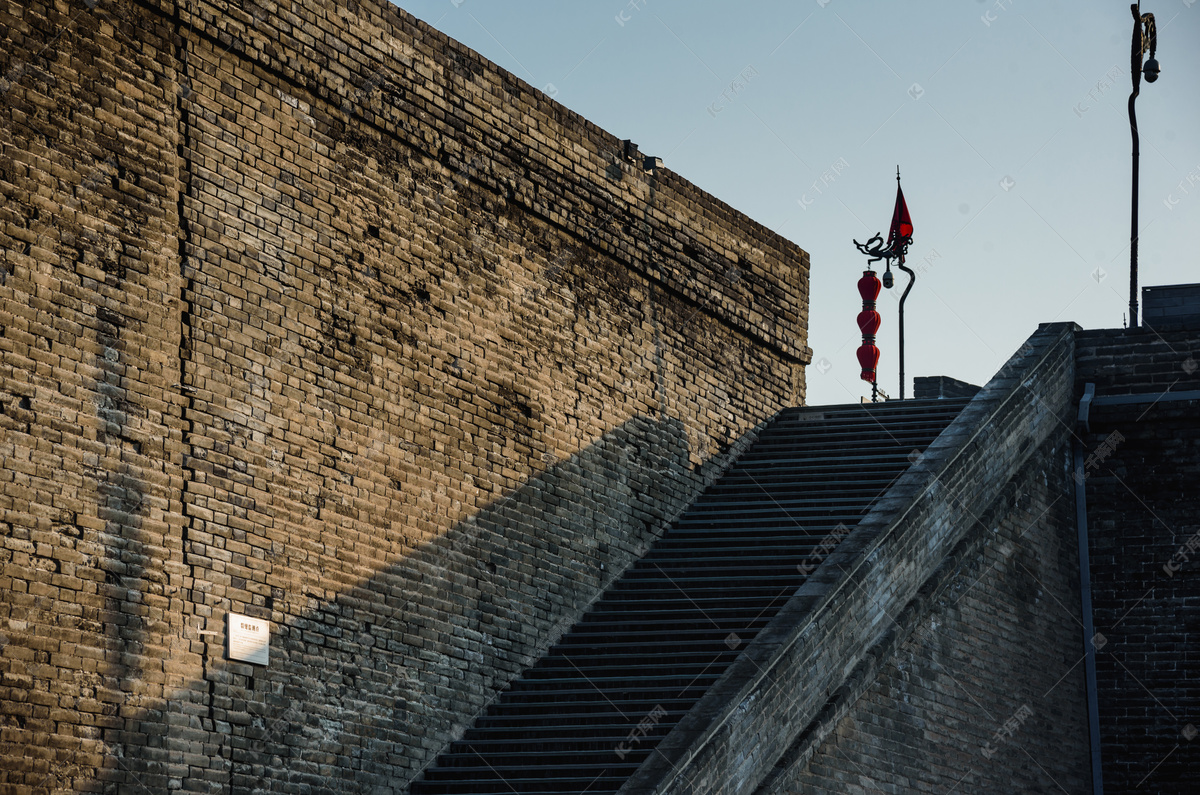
<point>667,629</point>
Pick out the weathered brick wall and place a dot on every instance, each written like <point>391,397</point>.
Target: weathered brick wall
<point>92,599</point>
<point>942,386</point>
<point>892,612</point>
<point>1171,307</point>
<point>1125,361</point>
<point>1142,461</point>
<point>315,315</point>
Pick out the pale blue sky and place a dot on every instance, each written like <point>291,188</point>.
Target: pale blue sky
<point>1008,120</point>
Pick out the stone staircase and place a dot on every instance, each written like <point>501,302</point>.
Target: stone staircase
<point>586,715</point>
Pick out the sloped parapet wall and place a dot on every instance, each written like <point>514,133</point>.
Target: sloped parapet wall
<point>888,666</point>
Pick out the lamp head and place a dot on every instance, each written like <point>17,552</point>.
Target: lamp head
<point>1151,70</point>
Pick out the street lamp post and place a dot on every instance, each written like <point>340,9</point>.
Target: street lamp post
<point>887,282</point>
<point>1145,37</point>
<point>896,247</point>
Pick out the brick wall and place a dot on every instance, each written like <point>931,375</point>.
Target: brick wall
<point>892,613</point>
<point>94,586</point>
<point>942,386</point>
<point>1169,307</point>
<point>315,315</point>
<point>1141,462</point>
<point>1125,361</point>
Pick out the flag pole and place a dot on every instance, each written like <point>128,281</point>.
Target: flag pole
<point>912,278</point>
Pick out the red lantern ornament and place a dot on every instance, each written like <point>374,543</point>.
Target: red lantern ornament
<point>868,288</point>
<point>868,360</point>
<point>868,323</point>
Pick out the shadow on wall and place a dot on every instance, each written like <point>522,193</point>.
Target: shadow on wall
<point>364,690</point>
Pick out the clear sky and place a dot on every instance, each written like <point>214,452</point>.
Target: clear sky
<point>1008,120</point>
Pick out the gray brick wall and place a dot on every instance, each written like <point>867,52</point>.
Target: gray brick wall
<point>315,315</point>
<point>1124,361</point>
<point>942,386</point>
<point>1141,465</point>
<point>1171,307</point>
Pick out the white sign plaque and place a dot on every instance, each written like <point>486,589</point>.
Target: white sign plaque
<point>249,639</point>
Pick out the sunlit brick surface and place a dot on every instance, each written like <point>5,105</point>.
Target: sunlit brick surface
<point>309,313</point>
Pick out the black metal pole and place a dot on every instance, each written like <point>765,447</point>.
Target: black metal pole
<point>1136,75</point>
<point>1145,37</point>
<point>912,278</point>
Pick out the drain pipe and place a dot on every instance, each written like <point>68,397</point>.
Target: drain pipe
<point>1085,590</point>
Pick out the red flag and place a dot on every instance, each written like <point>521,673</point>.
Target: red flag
<point>901,222</point>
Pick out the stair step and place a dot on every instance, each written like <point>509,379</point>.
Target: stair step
<point>668,628</point>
